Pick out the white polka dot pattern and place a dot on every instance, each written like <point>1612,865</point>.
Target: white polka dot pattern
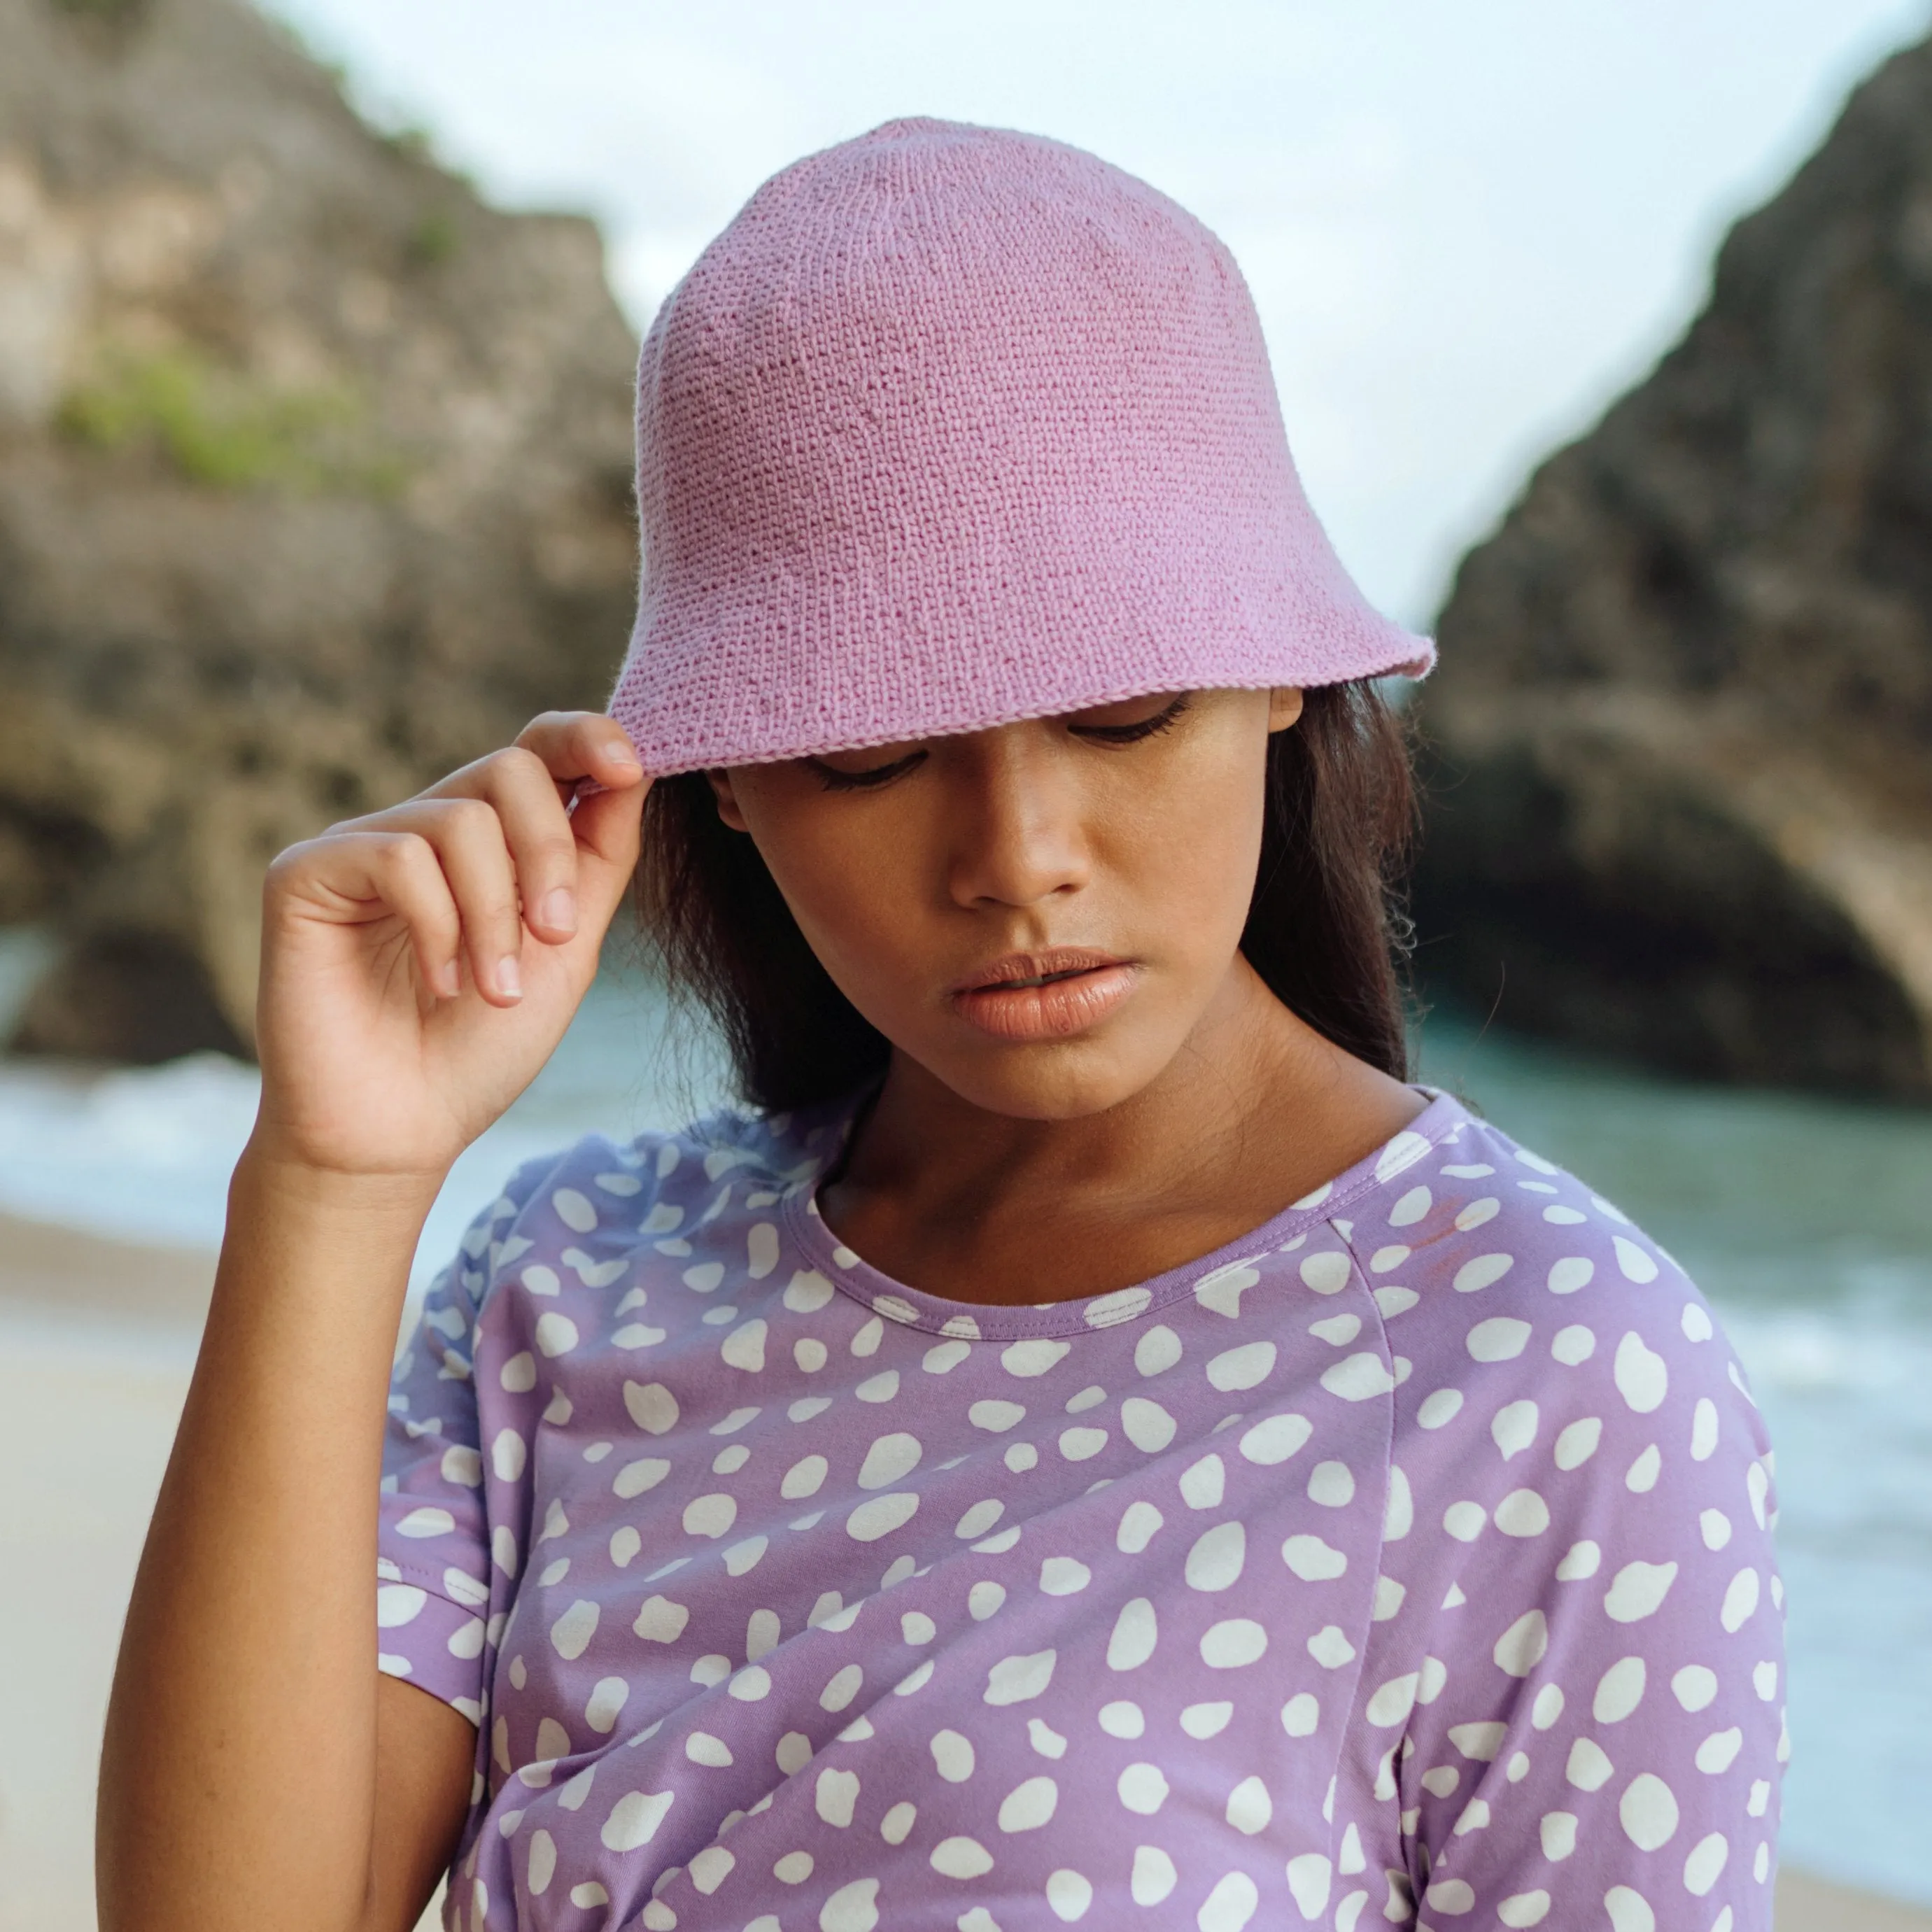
<point>1408,1562</point>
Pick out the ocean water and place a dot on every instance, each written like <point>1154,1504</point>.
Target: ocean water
<point>144,1153</point>
<point>1808,1222</point>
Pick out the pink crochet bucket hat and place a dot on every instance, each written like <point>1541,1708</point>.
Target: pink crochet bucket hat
<point>952,426</point>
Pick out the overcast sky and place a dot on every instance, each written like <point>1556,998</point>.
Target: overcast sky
<point>1467,225</point>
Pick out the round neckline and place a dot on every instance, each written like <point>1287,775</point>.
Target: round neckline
<point>915,1308</point>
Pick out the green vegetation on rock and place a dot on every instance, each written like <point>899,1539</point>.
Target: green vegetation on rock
<point>434,239</point>
<point>101,9</point>
<point>228,431</point>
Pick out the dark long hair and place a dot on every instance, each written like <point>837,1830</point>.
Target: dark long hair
<point>1326,929</point>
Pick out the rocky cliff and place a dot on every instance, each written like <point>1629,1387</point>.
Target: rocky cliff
<point>314,481</point>
<point>1681,792</point>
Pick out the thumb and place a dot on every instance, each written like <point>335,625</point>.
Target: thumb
<point>608,827</point>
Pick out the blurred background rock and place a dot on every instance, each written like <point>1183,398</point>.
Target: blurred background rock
<point>1682,797</point>
<point>314,483</point>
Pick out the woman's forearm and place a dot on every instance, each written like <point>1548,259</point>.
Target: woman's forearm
<point>238,1770</point>
<point>406,998</point>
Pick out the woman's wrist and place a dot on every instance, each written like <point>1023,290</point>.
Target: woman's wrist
<point>382,1204</point>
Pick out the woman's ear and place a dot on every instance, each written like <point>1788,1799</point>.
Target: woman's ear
<point>1284,706</point>
<point>728,798</point>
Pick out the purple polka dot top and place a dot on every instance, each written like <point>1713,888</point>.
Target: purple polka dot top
<point>1408,1561</point>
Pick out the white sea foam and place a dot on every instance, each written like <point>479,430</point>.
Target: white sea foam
<point>144,1154</point>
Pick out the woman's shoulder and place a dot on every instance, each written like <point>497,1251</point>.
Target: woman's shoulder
<point>1475,1245</point>
<point>599,1198</point>
<point>742,1146</point>
<point>1580,1502</point>
<point>1521,1305</point>
<point>1513,1293</point>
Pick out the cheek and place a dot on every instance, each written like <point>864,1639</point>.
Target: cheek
<point>857,895</point>
<point>1185,854</point>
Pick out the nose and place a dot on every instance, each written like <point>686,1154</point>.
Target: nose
<point>1017,830</point>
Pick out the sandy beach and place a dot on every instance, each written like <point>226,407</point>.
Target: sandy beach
<point>97,1342</point>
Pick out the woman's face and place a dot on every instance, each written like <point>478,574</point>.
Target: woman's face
<point>1039,914</point>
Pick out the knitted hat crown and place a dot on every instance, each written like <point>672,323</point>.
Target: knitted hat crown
<point>951,426</point>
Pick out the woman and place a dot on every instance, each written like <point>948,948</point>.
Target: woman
<point>1091,1442</point>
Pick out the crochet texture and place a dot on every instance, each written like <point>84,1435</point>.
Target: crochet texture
<point>952,426</point>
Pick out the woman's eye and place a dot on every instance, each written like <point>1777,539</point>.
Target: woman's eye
<point>1130,732</point>
<point>844,777</point>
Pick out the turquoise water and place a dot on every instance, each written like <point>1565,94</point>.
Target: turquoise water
<point>1808,1223</point>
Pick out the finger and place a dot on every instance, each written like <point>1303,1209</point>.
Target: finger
<point>536,827</point>
<point>356,877</point>
<point>607,827</point>
<point>466,835</point>
<point>576,745</point>
<point>418,892</point>
<point>569,746</point>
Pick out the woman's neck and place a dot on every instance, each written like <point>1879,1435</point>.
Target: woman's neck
<point>1255,1111</point>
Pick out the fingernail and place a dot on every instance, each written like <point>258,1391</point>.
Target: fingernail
<point>449,980</point>
<point>560,910</point>
<point>622,757</point>
<point>509,978</point>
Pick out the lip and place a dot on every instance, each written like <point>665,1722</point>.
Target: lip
<point>1050,962</point>
<point>1050,994</point>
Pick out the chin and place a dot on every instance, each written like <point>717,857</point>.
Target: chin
<point>1065,1081</point>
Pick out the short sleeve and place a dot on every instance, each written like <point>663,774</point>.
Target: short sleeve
<point>432,1546</point>
<point>1593,1621</point>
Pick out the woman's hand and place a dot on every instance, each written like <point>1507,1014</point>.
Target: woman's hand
<point>419,965</point>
